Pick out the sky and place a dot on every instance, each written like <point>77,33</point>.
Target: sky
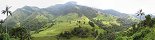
<point>124,6</point>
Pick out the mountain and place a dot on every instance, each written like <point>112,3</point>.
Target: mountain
<point>126,18</point>
<point>69,21</point>
<point>115,13</point>
<point>62,9</point>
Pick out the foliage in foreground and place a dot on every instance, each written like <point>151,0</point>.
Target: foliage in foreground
<point>145,30</point>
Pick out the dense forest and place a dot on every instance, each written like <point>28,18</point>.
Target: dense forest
<point>70,21</point>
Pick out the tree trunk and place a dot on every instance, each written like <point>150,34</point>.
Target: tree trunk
<point>6,28</point>
<point>140,21</point>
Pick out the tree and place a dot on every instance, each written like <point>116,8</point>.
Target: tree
<point>6,11</point>
<point>91,24</point>
<point>140,13</point>
<point>1,27</point>
<point>66,35</point>
<point>148,21</point>
<point>20,32</point>
<point>1,21</point>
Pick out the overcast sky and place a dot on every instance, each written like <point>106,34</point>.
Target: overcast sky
<point>124,6</point>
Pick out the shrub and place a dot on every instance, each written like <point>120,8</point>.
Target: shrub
<point>21,33</point>
<point>4,36</point>
<point>66,35</point>
<point>91,24</point>
<point>80,32</point>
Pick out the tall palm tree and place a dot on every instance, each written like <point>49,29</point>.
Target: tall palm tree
<point>6,11</point>
<point>140,13</point>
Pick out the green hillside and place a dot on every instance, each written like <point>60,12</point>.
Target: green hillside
<point>69,21</point>
<point>137,32</point>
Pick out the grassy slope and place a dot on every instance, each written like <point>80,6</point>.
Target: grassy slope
<point>60,25</point>
<point>107,20</point>
<point>64,23</point>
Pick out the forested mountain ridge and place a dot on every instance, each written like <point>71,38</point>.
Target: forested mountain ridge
<point>70,21</point>
<point>27,12</point>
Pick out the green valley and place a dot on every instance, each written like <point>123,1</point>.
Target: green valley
<point>71,21</point>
